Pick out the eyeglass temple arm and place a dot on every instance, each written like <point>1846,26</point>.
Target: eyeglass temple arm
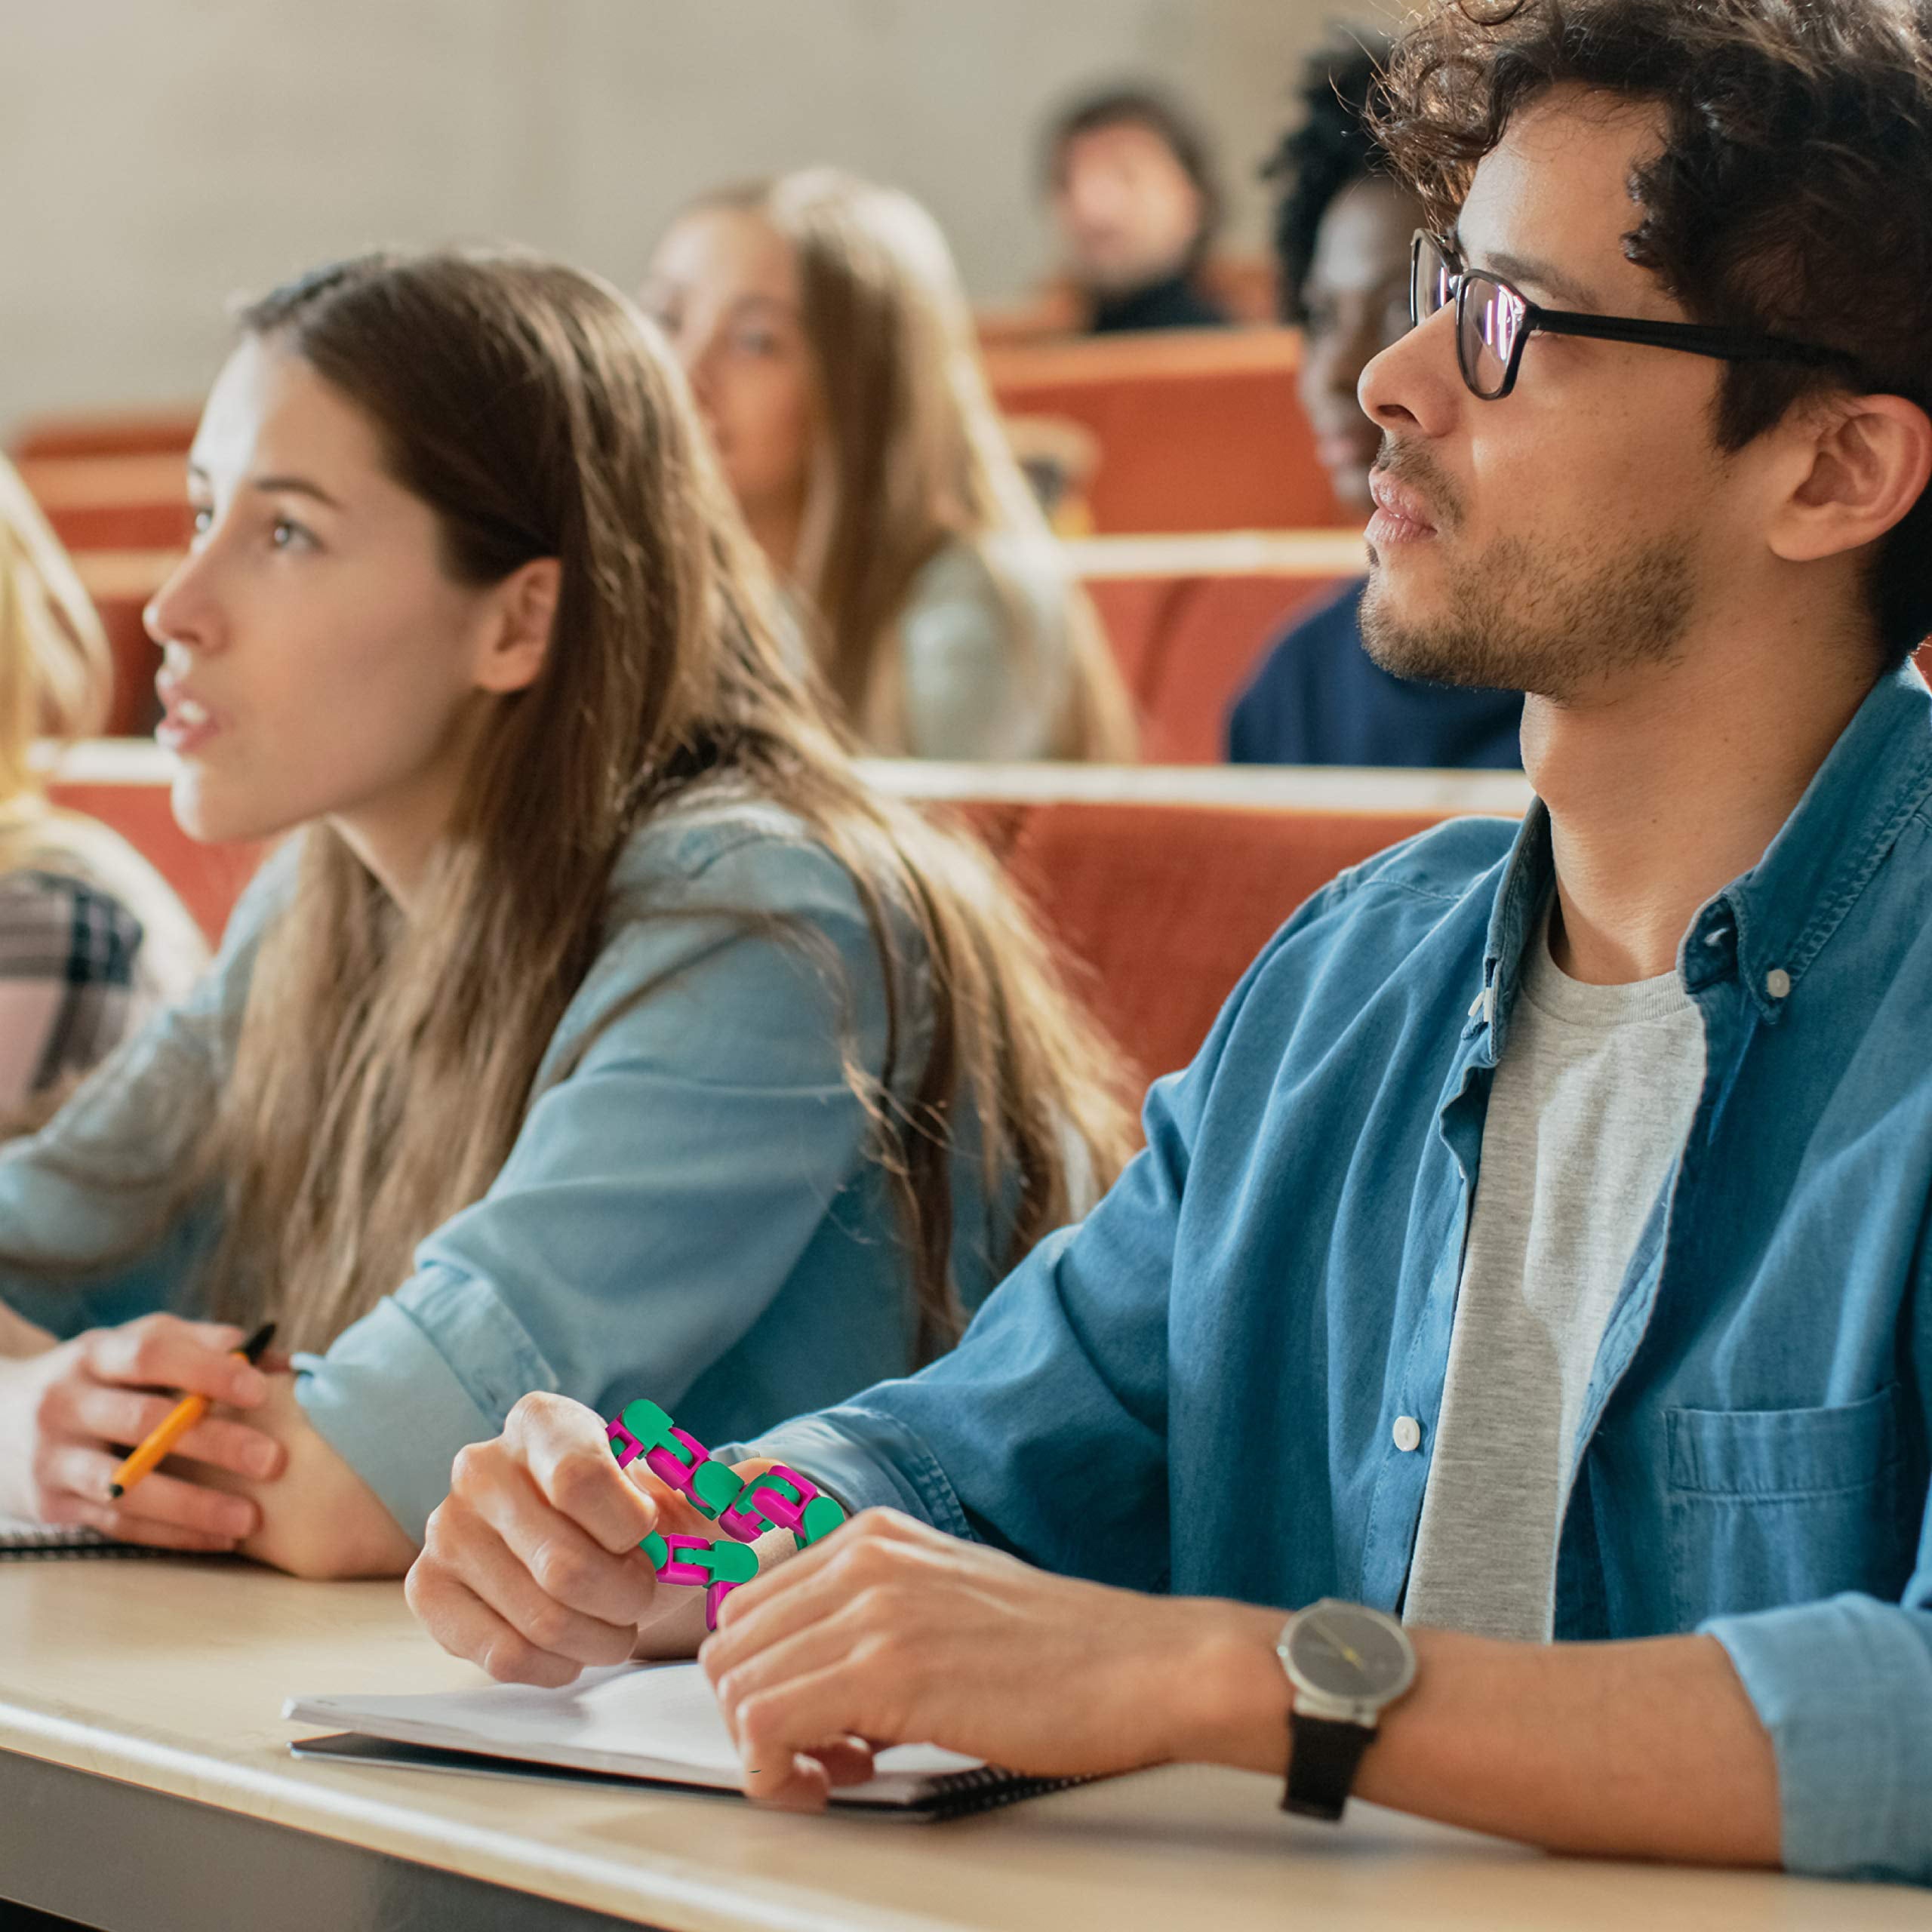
<point>1726,344</point>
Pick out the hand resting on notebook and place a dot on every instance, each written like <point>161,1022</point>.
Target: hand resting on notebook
<point>886,1632</point>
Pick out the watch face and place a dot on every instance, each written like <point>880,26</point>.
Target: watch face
<point>1342,1650</point>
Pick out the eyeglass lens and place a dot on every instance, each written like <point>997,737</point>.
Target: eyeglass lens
<point>1491,322</point>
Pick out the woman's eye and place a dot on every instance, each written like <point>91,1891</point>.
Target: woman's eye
<point>286,535</point>
<point>755,341</point>
<point>202,518</point>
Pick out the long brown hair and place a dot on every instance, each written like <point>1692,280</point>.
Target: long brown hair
<point>914,458</point>
<point>384,1066</point>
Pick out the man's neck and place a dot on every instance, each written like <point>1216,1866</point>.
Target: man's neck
<point>1663,791</point>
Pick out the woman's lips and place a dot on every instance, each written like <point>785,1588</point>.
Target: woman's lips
<point>186,723</point>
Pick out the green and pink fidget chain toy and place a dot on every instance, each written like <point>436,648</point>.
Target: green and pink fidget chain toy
<point>780,1499</point>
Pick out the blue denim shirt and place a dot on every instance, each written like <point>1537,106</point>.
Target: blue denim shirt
<point>1197,1390</point>
<point>691,1210</point>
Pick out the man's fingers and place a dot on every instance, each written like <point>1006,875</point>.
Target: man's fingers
<point>467,1627</point>
<point>816,1584</point>
<point>512,1526</point>
<point>542,1574</point>
<point>563,1446</point>
<point>858,1545</point>
<point>799,1783</point>
<point>805,1717</point>
<point>108,1412</point>
<point>160,1351</point>
<point>737,1675</point>
<point>849,1761</point>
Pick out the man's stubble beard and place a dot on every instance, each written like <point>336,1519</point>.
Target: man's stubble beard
<point>1556,623</point>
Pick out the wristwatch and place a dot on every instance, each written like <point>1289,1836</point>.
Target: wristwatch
<point>1346,1665</point>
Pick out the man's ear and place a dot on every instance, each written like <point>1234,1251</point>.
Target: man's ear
<point>1863,461</point>
<point>516,639</point>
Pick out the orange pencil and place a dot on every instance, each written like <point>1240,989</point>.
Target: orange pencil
<point>186,1414</point>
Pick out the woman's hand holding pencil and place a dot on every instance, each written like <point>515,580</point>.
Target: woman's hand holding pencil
<point>70,1416</point>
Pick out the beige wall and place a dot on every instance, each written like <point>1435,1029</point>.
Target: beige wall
<point>162,155</point>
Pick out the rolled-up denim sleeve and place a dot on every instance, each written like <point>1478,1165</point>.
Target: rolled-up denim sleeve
<point>656,1198</point>
<point>1844,1688</point>
<point>1045,1432</point>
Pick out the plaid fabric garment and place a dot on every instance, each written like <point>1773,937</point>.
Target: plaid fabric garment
<point>67,988</point>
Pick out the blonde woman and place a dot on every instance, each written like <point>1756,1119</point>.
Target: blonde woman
<point>92,941</point>
<point>830,347</point>
<point>599,1031</point>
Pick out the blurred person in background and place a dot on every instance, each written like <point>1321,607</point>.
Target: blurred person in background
<point>828,341</point>
<point>1342,234</point>
<point>1136,201</point>
<point>92,941</point>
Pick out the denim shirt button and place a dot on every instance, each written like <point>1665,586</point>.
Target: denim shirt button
<point>1777,984</point>
<point>1407,1433</point>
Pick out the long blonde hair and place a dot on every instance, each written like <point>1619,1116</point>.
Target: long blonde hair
<point>384,1066</point>
<point>914,458</point>
<point>56,670</point>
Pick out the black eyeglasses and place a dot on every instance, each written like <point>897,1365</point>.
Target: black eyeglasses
<point>1494,320</point>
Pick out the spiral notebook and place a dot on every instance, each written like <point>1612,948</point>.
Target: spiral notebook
<point>648,1723</point>
<point>43,1542</point>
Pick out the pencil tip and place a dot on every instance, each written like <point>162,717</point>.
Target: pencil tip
<point>114,1492</point>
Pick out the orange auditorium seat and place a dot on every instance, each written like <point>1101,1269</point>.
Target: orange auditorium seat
<point>1189,617</point>
<point>1198,429</point>
<point>116,501</point>
<point>1160,887</point>
<point>107,432</point>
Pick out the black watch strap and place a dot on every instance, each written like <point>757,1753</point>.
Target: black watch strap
<point>1322,1760</point>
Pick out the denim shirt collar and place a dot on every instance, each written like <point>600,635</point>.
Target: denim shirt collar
<point>1769,925</point>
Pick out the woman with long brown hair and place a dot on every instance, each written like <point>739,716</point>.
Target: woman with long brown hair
<point>92,941</point>
<point>599,1031</point>
<point>831,349</point>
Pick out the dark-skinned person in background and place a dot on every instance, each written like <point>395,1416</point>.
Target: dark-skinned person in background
<point>1343,230</point>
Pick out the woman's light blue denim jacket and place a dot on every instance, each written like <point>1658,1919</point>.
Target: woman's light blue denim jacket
<point>1197,1389</point>
<point>690,1213</point>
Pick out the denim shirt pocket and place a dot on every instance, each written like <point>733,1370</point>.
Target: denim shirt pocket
<point>1772,1506</point>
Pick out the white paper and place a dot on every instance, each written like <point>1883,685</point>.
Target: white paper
<point>647,1721</point>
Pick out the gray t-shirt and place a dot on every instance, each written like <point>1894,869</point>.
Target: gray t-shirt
<point>1591,1104</point>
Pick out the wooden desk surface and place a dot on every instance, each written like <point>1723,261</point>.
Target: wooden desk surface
<point>171,1677</point>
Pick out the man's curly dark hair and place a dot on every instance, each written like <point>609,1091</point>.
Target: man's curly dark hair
<point>1332,146</point>
<point>1792,195</point>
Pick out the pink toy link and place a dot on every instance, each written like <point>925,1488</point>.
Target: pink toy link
<point>779,1498</point>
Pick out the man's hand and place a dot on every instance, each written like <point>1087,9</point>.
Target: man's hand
<point>889,1632</point>
<point>530,1567</point>
<point>70,1414</point>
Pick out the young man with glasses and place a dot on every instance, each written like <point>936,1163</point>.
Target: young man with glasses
<point>1537,1252</point>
